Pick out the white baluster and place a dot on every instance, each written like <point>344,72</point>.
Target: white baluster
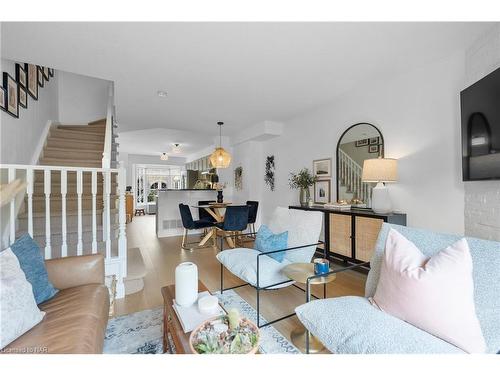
<point>64,191</point>
<point>107,224</point>
<point>29,191</point>
<point>94,212</point>
<point>79,191</point>
<point>122,239</point>
<point>12,219</point>
<point>46,190</point>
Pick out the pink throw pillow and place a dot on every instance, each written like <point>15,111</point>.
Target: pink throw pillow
<point>434,294</point>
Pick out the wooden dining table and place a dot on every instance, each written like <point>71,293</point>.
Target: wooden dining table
<point>214,209</point>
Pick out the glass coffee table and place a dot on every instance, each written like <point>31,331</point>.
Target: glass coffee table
<point>300,272</point>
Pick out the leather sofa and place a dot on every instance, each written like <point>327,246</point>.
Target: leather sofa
<point>76,318</point>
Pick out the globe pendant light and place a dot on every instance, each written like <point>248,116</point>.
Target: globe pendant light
<point>220,158</point>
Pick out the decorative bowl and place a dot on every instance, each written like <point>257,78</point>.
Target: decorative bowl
<point>225,338</point>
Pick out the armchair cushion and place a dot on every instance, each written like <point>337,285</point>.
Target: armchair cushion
<point>268,241</point>
<point>348,325</point>
<point>242,263</point>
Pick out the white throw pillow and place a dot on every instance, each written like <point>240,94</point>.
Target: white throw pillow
<point>18,310</point>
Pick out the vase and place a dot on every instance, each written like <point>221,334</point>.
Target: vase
<point>304,197</point>
<point>220,197</point>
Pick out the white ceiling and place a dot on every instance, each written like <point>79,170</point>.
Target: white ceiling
<point>239,73</point>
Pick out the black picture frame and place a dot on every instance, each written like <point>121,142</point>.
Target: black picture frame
<point>362,142</point>
<point>373,141</point>
<point>373,149</point>
<point>22,96</point>
<point>3,99</point>
<point>11,88</point>
<point>46,74</point>
<point>51,72</point>
<point>32,77</point>
<point>21,76</point>
<point>40,76</point>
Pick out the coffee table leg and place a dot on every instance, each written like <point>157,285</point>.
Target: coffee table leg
<point>165,330</point>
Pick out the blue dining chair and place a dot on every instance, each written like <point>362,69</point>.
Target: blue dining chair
<point>189,224</point>
<point>235,220</point>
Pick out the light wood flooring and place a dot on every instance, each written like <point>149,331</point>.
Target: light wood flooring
<point>162,255</point>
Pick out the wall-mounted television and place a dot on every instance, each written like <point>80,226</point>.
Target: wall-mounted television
<point>480,107</point>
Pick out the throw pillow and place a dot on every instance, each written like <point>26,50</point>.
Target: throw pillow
<point>266,241</point>
<point>434,294</point>
<point>33,266</point>
<point>18,309</point>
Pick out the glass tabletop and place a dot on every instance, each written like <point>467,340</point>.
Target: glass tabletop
<point>301,271</point>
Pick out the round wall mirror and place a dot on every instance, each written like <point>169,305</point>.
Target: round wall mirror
<point>359,142</point>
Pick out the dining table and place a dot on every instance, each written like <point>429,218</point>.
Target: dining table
<point>214,209</point>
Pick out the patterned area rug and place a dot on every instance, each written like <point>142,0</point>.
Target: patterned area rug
<point>141,332</point>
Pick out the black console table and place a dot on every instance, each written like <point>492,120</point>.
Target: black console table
<point>351,235</point>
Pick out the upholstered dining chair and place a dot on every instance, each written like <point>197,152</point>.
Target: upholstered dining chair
<point>263,272</point>
<point>189,224</point>
<point>235,221</point>
<point>253,207</point>
<point>204,215</point>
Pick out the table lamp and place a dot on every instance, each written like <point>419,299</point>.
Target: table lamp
<point>380,170</point>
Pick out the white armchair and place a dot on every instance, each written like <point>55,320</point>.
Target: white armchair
<point>261,271</point>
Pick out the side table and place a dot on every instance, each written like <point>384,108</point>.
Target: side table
<point>300,272</point>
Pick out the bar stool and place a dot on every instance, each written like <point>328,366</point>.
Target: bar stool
<point>235,220</point>
<point>190,224</point>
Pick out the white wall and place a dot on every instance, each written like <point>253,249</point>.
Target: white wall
<point>482,198</point>
<point>19,136</point>
<point>418,114</point>
<point>82,99</point>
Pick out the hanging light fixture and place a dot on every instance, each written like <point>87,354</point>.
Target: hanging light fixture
<point>220,158</point>
<point>164,156</point>
<point>176,148</point>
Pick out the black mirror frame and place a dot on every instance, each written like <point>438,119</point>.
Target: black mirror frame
<point>337,151</point>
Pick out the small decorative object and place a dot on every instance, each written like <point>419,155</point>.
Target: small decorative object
<point>51,72</point>
<point>238,178</point>
<point>220,158</point>
<point>40,76</point>
<point>228,334</point>
<point>321,266</point>
<point>373,141</point>
<point>21,76</point>
<point>12,97</point>
<point>322,168</point>
<point>362,142</point>
<point>220,196</point>
<point>380,171</point>
<point>186,284</point>
<point>322,191</point>
<point>3,97</point>
<point>302,180</point>
<point>208,305</point>
<point>373,149</point>
<point>23,97</point>
<point>219,186</point>
<point>32,72</point>
<point>310,202</point>
<point>269,176</point>
<point>45,71</point>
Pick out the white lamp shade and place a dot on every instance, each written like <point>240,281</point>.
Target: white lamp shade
<point>380,170</point>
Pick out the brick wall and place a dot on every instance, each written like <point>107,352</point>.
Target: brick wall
<point>482,198</point>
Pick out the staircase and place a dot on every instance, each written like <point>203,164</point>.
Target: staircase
<point>351,185</point>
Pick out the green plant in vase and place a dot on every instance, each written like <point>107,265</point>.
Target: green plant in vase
<point>302,180</point>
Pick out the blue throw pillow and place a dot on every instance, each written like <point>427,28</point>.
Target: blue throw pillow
<point>268,241</point>
<point>33,266</point>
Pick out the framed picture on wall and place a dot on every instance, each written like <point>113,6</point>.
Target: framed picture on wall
<point>32,72</point>
<point>46,74</point>
<point>3,97</point>
<point>12,95</point>
<point>40,76</point>
<point>374,141</point>
<point>373,149</point>
<point>23,97</point>
<point>362,142</point>
<point>21,76</point>
<point>51,72</point>
<point>322,168</point>
<point>322,190</point>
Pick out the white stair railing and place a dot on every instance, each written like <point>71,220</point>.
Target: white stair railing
<point>114,247</point>
<point>108,135</point>
<point>350,174</point>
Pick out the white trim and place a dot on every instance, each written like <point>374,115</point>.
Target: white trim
<point>41,142</point>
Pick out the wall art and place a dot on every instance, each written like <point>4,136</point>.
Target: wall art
<point>270,168</point>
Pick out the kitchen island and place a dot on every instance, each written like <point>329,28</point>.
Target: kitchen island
<point>168,218</point>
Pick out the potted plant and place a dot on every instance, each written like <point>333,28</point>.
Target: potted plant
<point>302,180</point>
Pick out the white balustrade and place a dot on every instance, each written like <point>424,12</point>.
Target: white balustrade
<point>350,176</point>
<point>116,264</point>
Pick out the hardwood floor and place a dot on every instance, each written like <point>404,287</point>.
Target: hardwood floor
<point>162,255</point>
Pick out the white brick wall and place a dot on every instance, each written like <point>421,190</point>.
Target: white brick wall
<point>482,198</point>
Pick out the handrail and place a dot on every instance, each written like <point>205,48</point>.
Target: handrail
<point>58,168</point>
<point>108,137</point>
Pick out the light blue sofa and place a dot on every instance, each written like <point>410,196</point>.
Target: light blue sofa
<point>352,325</point>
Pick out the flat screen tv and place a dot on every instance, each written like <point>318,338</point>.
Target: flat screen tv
<point>480,107</point>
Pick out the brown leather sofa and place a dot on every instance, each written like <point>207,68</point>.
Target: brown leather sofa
<point>76,318</point>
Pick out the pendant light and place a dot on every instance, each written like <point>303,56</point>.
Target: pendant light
<point>164,156</point>
<point>220,158</point>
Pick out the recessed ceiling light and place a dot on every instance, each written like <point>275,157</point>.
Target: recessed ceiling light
<point>162,94</point>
